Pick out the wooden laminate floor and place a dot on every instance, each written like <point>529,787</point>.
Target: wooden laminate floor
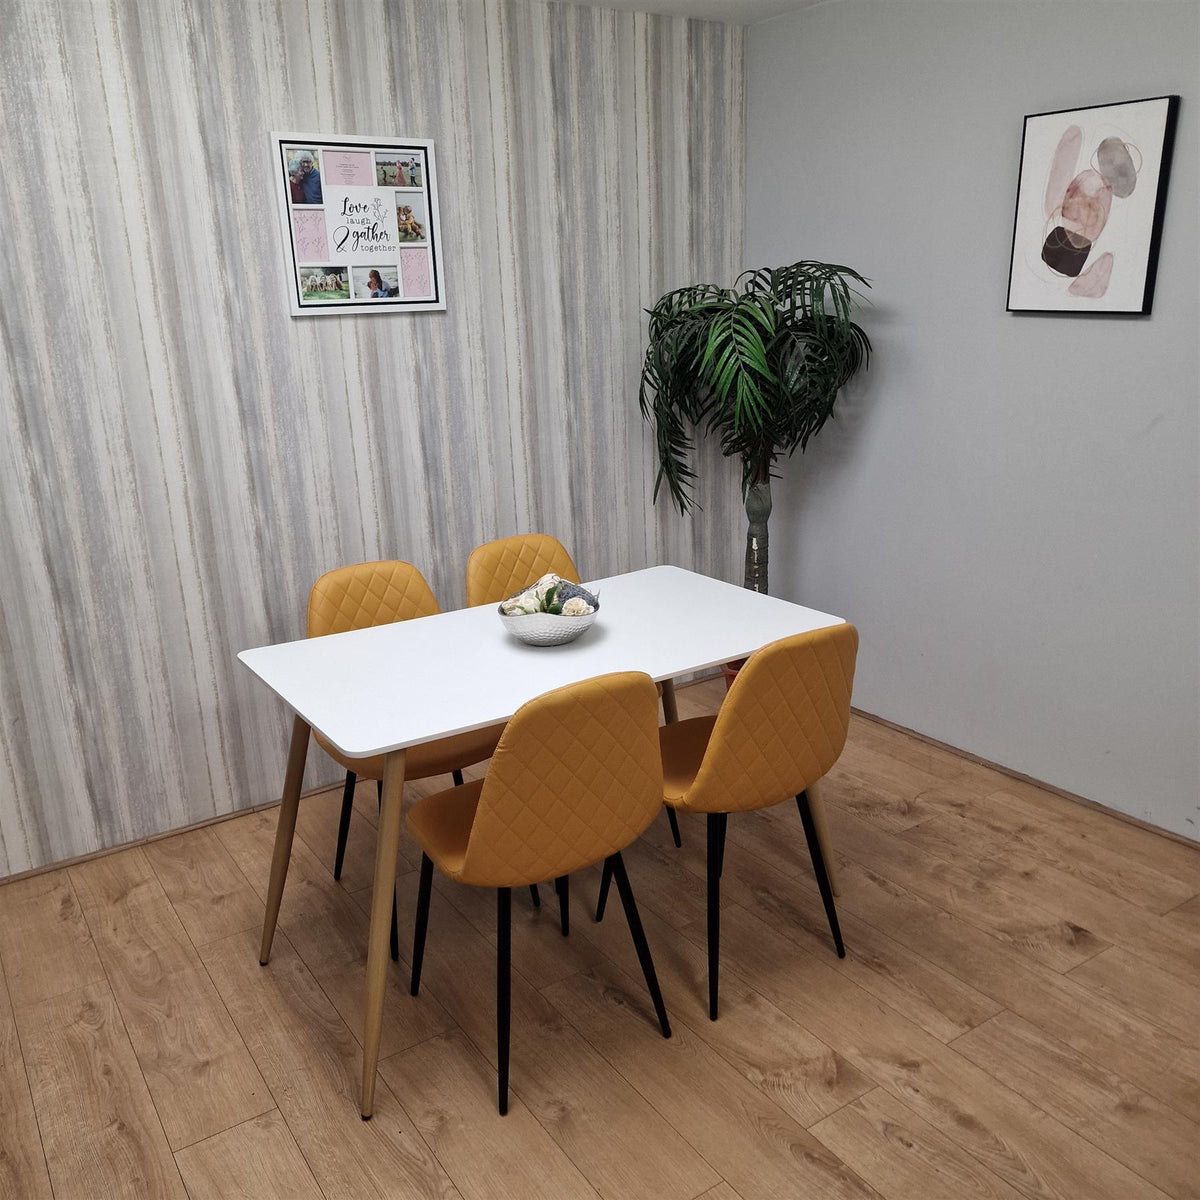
<point>1017,1014</point>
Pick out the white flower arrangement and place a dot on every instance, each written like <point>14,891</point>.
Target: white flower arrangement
<point>551,594</point>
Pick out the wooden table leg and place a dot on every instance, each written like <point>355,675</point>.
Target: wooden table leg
<point>387,846</point>
<point>670,709</point>
<point>816,806</point>
<point>284,831</point>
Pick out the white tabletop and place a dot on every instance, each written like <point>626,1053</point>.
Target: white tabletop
<point>392,686</point>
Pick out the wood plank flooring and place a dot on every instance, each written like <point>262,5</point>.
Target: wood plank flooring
<point>1017,1017</point>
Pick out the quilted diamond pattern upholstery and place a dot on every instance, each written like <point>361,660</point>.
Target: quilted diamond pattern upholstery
<point>366,594</point>
<point>378,593</point>
<point>781,727</point>
<point>576,777</point>
<point>499,569</point>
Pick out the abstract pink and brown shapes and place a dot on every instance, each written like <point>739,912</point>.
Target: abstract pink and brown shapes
<point>309,225</point>
<point>1115,162</point>
<point>1062,167</point>
<point>1093,283</point>
<point>351,167</point>
<point>1086,204</point>
<point>1078,207</point>
<point>414,271</point>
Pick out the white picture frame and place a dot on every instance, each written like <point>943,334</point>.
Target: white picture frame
<point>359,218</point>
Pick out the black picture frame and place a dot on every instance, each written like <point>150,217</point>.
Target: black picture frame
<point>1062,262</point>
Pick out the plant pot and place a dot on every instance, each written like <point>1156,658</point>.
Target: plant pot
<point>729,671</point>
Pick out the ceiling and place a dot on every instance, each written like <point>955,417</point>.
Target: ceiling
<point>739,12</point>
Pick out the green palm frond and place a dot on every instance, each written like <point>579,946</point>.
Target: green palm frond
<point>759,366</point>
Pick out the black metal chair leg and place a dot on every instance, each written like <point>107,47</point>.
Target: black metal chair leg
<point>617,866</point>
<point>535,895</point>
<point>395,932</point>
<point>422,923</point>
<point>457,777</point>
<point>818,862</point>
<point>562,885</point>
<point>503,990</point>
<point>674,823</point>
<point>714,910</point>
<point>722,829</point>
<point>344,823</point>
<point>605,883</point>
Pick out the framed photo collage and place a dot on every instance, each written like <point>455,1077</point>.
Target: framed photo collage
<point>360,223</point>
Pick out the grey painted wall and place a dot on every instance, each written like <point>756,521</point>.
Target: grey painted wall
<point>180,459</point>
<point>1007,505</point>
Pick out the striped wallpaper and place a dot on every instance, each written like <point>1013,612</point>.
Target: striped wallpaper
<point>180,459</point>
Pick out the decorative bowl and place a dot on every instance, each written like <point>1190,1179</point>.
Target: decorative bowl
<point>550,629</point>
<point>546,629</point>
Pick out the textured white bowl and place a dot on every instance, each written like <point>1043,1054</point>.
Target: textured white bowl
<point>546,629</point>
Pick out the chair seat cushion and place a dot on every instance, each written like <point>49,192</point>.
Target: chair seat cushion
<point>683,744</point>
<point>433,758</point>
<point>441,825</point>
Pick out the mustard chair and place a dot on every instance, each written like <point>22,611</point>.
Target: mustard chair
<point>781,728</point>
<point>499,569</point>
<point>576,778</point>
<point>380,593</point>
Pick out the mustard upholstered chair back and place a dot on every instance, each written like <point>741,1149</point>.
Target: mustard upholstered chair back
<point>497,570</point>
<point>782,725</point>
<point>366,594</point>
<point>576,777</point>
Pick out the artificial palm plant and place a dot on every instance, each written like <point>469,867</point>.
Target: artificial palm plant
<point>760,365</point>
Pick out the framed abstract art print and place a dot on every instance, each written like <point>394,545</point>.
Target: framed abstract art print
<point>360,223</point>
<point>1090,200</point>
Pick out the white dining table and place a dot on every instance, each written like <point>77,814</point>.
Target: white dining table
<point>383,689</point>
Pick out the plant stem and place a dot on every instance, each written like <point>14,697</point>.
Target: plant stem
<point>758,510</point>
